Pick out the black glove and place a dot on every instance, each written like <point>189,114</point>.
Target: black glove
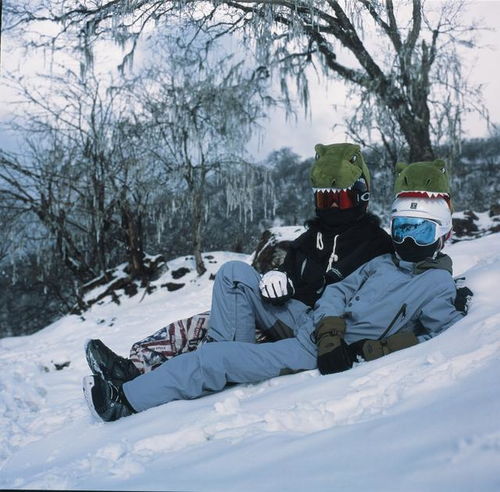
<point>333,353</point>
<point>373,349</point>
<point>463,299</point>
<point>276,287</point>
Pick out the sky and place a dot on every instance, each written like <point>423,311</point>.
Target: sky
<point>329,99</point>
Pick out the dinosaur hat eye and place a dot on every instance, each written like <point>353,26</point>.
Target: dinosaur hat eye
<point>353,159</point>
<point>316,156</point>
<point>443,170</point>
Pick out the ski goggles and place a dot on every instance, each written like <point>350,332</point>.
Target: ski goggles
<point>423,231</point>
<point>342,199</point>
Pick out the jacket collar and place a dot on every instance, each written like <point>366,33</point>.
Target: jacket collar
<point>441,262</point>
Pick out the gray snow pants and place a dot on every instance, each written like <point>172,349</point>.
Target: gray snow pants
<point>237,308</point>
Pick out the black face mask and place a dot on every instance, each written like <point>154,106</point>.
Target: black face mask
<point>334,217</point>
<point>408,250</point>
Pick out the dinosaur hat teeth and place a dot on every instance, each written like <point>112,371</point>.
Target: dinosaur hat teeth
<point>339,198</point>
<point>333,190</point>
<point>423,194</point>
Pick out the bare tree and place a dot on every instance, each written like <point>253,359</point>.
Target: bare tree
<point>407,69</point>
<point>79,175</point>
<point>196,116</point>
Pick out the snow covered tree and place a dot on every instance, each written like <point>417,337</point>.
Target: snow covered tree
<point>401,57</point>
<point>78,173</point>
<point>196,115</point>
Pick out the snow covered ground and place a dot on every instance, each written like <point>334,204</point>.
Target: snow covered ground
<point>424,419</point>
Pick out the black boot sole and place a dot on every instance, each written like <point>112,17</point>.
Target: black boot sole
<point>88,384</point>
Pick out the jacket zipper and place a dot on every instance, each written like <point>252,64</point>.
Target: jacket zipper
<point>401,312</point>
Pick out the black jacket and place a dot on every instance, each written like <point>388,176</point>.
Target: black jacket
<point>323,255</point>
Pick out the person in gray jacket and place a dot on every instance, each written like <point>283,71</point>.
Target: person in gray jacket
<point>388,303</point>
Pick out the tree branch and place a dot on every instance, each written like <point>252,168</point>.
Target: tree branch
<point>411,41</point>
<point>390,29</point>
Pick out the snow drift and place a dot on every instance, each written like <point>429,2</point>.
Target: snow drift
<point>426,418</point>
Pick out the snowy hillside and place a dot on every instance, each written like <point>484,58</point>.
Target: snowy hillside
<point>424,419</point>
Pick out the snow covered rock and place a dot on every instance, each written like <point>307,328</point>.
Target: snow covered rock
<point>117,282</point>
<point>273,246</point>
<point>469,224</point>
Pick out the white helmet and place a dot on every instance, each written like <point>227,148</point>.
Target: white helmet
<point>419,227</point>
<point>435,209</point>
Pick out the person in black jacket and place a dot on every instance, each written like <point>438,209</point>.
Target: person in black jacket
<point>339,239</point>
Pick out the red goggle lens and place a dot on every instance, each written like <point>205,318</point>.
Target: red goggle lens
<point>343,199</point>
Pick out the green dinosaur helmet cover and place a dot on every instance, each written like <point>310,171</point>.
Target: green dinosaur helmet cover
<point>338,166</point>
<point>426,179</point>
<point>341,183</point>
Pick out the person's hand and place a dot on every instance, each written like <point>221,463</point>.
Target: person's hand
<point>373,349</point>
<point>333,353</point>
<point>463,299</point>
<point>275,287</point>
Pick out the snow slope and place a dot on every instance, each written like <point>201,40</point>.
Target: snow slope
<point>426,418</point>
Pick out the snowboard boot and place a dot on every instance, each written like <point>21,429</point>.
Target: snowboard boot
<point>106,399</point>
<point>105,363</point>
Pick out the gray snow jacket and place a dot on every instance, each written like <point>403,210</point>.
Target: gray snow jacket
<point>386,296</point>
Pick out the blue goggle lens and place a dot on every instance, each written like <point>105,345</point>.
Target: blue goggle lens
<point>422,231</point>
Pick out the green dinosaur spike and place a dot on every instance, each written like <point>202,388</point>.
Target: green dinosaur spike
<point>426,179</point>
<point>338,166</point>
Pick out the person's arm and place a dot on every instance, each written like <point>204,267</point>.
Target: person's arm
<point>333,352</point>
<point>463,297</point>
<point>277,286</point>
<point>436,316</point>
<point>439,313</point>
<point>289,265</point>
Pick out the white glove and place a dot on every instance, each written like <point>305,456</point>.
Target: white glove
<point>276,287</point>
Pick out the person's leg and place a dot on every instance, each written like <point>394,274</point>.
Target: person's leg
<point>145,355</point>
<point>178,337</point>
<point>239,314</point>
<point>238,309</point>
<point>232,313</point>
<point>214,365</point>
<point>235,297</point>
